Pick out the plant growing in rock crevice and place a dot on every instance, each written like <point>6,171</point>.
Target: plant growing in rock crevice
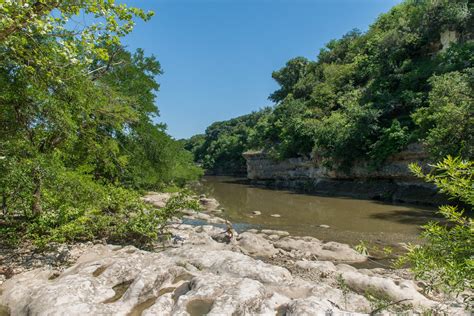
<point>362,248</point>
<point>344,287</point>
<point>380,302</point>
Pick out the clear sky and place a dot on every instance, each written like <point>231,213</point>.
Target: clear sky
<point>218,55</point>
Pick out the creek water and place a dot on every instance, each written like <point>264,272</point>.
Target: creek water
<point>350,220</point>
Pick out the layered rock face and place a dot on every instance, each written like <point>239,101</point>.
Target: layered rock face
<point>393,181</point>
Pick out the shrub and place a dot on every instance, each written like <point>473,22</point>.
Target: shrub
<point>446,259</point>
<point>76,208</point>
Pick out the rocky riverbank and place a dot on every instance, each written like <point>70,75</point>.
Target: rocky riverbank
<point>393,181</point>
<point>209,270</point>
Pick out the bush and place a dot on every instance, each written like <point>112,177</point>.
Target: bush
<point>391,141</point>
<point>446,259</point>
<point>77,208</point>
<point>76,129</point>
<point>447,122</point>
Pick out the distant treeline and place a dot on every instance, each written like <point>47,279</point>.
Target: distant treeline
<point>409,78</point>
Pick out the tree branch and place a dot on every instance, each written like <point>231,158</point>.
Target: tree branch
<point>38,8</point>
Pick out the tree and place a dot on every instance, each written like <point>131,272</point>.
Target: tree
<point>221,148</point>
<point>77,138</point>
<point>370,94</point>
<point>23,22</point>
<point>46,94</point>
<point>288,77</point>
<point>447,123</point>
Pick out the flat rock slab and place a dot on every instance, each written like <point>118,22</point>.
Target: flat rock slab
<point>331,251</point>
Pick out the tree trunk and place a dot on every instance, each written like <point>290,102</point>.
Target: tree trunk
<point>4,204</point>
<point>36,205</point>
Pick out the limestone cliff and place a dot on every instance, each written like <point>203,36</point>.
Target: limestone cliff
<point>392,181</point>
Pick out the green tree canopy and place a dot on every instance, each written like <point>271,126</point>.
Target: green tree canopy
<point>77,124</point>
<point>368,95</point>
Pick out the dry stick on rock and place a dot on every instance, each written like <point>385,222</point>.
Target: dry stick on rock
<point>375,311</point>
<point>229,232</point>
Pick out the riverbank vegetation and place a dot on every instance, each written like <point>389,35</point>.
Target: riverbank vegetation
<point>446,259</point>
<point>368,95</point>
<point>78,142</point>
<point>408,79</point>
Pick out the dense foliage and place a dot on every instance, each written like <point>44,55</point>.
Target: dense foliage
<point>77,137</point>
<point>409,78</point>
<point>446,260</point>
<point>220,149</point>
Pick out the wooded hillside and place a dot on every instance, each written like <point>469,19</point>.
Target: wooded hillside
<point>367,95</point>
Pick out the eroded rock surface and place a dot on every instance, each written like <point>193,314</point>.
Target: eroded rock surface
<point>110,281</point>
<point>207,270</point>
<point>201,276</point>
<point>312,247</point>
<point>392,181</point>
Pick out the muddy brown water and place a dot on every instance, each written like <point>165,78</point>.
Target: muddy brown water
<point>120,290</point>
<point>350,220</point>
<point>138,309</point>
<point>199,307</point>
<point>4,311</point>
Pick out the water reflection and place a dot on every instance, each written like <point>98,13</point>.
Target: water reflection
<point>350,220</point>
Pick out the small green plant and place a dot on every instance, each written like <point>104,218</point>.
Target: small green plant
<point>446,259</point>
<point>380,302</point>
<point>387,250</point>
<point>342,285</point>
<point>362,248</point>
<point>377,303</point>
<point>9,232</point>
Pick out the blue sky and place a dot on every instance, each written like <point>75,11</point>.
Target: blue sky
<point>218,55</point>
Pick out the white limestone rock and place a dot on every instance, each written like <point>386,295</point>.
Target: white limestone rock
<point>201,275</point>
<point>209,204</point>
<point>256,245</point>
<point>331,251</point>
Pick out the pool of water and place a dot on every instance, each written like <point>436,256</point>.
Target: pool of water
<point>349,220</point>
